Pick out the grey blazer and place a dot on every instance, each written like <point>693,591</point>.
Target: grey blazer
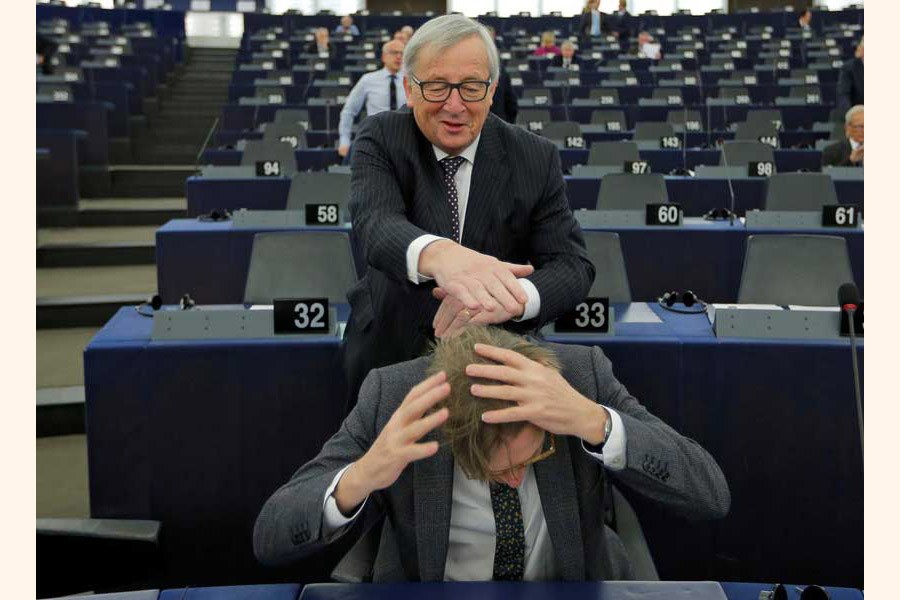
<point>661,464</point>
<point>517,212</point>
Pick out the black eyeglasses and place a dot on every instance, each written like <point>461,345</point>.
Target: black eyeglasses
<point>439,91</point>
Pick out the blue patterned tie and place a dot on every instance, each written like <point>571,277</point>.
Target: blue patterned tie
<point>451,165</point>
<point>509,556</point>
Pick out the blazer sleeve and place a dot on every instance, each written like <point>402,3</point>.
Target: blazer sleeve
<point>377,206</point>
<point>836,155</point>
<point>289,526</point>
<point>662,464</point>
<point>563,274</point>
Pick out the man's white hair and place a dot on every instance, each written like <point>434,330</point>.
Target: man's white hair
<point>856,109</point>
<point>446,31</point>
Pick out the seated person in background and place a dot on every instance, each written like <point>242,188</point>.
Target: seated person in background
<point>44,55</point>
<point>346,26</point>
<point>378,91</point>
<point>849,151</point>
<point>804,21</point>
<point>646,47</point>
<point>404,33</point>
<point>850,80</point>
<point>548,45</point>
<point>591,23</point>
<point>566,58</point>
<point>502,430</point>
<point>321,45</point>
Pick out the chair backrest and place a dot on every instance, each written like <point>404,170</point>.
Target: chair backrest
<point>293,134</point>
<point>733,92</point>
<point>794,269</point>
<point>539,95</point>
<point>265,150</point>
<point>605,252</point>
<point>766,116</point>
<point>800,191</point>
<point>613,153</point>
<point>838,131</point>
<point>529,115</point>
<point>599,94</point>
<point>663,93</point>
<point>560,130</point>
<point>677,118</point>
<point>336,92</point>
<point>300,264</point>
<point>319,187</point>
<point>740,153</point>
<point>296,116</point>
<point>802,91</point>
<point>754,131</point>
<point>272,95</point>
<point>625,191</point>
<point>652,130</point>
<point>605,117</point>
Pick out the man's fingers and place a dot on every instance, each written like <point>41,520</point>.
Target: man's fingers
<point>502,295</point>
<point>417,429</point>
<point>505,415</point>
<point>439,293</point>
<point>446,312</point>
<point>500,373</point>
<point>497,392</point>
<point>419,451</point>
<point>461,292</point>
<point>502,355</point>
<point>519,270</point>
<point>426,393</point>
<point>512,284</point>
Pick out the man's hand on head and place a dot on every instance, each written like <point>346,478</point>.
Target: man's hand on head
<point>480,282</point>
<point>857,155</point>
<point>452,315</point>
<point>537,393</point>
<point>397,445</point>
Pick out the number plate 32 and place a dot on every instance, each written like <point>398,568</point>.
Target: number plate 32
<point>301,315</point>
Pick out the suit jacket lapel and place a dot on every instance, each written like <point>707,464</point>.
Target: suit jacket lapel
<point>433,493</point>
<point>488,182</point>
<point>559,499</point>
<point>431,195</point>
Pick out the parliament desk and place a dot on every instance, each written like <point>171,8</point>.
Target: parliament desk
<point>209,260</point>
<point>197,434</point>
<point>665,161</point>
<point>695,195</point>
<point>309,159</point>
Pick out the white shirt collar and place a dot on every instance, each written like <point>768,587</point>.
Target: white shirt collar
<point>853,144</point>
<point>468,153</point>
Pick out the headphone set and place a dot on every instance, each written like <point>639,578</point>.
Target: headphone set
<point>693,304</point>
<point>154,303</point>
<point>719,214</point>
<point>215,215</point>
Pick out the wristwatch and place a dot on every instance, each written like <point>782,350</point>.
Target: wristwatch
<point>607,430</point>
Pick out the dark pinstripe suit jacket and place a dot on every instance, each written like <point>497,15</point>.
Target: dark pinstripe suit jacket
<point>661,465</point>
<point>517,211</point>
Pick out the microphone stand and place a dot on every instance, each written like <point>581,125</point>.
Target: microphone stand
<point>851,311</point>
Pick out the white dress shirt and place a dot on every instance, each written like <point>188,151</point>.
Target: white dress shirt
<point>472,537</point>
<point>372,91</point>
<point>463,179</point>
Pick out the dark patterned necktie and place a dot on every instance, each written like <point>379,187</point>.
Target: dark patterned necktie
<point>393,92</point>
<point>509,556</point>
<point>450,166</point>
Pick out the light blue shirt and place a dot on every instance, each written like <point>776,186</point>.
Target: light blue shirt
<point>373,91</point>
<point>353,30</point>
<point>595,22</point>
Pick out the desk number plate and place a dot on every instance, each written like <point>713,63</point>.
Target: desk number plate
<point>840,215</point>
<point>590,316</point>
<point>268,168</point>
<point>668,215</point>
<point>764,168</point>
<point>301,315</point>
<point>322,214</point>
<point>637,167</point>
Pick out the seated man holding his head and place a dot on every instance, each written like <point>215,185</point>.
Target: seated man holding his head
<point>488,460</point>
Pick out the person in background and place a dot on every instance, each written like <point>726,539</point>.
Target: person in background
<point>505,104</point>
<point>548,45</point>
<point>619,23</point>
<point>322,44</point>
<point>591,24</point>
<point>849,151</point>
<point>378,91</point>
<point>804,21</point>
<point>850,81</point>
<point>346,27</point>
<point>45,50</point>
<point>566,58</point>
<point>646,47</point>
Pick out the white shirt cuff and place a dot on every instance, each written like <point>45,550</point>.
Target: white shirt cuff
<point>533,306</point>
<point>412,257</point>
<point>333,520</point>
<point>613,455</point>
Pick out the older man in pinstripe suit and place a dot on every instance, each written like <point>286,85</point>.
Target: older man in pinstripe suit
<point>461,217</point>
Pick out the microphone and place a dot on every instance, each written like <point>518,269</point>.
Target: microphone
<point>848,298</point>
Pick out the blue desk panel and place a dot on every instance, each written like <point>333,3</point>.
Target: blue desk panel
<point>210,260</point>
<point>91,117</point>
<point>279,591</point>
<point>698,196</point>
<point>199,434</point>
<point>313,159</point>
<point>57,181</point>
<point>664,161</point>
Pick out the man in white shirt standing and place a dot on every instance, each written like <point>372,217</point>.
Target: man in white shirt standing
<point>492,468</point>
<point>378,91</point>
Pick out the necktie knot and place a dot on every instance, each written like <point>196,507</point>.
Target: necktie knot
<point>451,165</point>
